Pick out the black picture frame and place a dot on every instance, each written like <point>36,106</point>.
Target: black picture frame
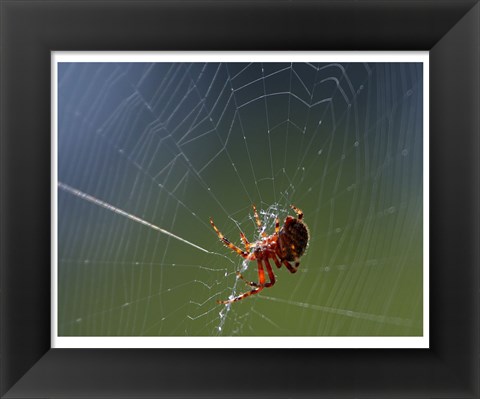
<point>30,30</point>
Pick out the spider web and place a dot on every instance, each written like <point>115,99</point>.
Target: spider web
<point>147,152</point>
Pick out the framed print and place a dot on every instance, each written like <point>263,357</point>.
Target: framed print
<point>271,129</point>
<point>188,192</point>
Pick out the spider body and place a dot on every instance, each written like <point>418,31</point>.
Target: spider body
<point>292,239</point>
<point>284,246</point>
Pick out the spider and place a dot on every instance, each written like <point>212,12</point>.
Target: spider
<point>284,246</point>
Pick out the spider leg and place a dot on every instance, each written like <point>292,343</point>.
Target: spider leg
<point>271,276</point>
<point>250,283</point>
<point>298,212</point>
<point>292,269</point>
<point>277,262</point>
<point>245,241</point>
<point>256,290</point>
<point>277,225</point>
<point>259,223</point>
<point>227,242</point>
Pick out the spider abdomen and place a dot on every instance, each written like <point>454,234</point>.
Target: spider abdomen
<point>292,239</point>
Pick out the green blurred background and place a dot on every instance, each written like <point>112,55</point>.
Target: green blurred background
<point>174,144</point>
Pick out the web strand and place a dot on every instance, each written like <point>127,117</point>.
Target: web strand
<point>121,212</point>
